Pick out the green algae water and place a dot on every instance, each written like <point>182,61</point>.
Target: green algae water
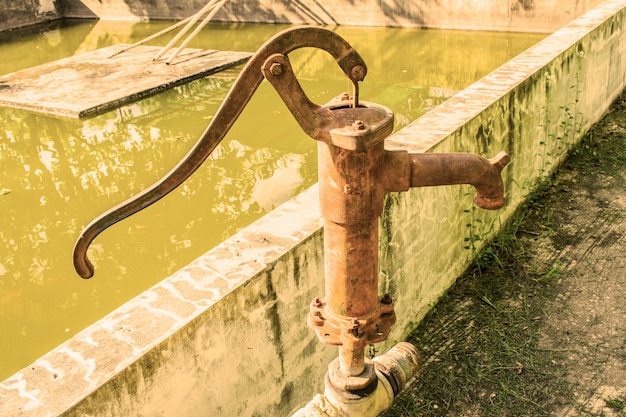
<point>56,174</point>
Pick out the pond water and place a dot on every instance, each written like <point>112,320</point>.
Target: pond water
<point>57,174</point>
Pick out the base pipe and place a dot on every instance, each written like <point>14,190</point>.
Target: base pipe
<point>393,371</point>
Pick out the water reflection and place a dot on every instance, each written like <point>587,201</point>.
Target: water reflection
<point>56,174</point>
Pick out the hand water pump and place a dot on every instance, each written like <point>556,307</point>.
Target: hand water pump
<point>355,173</point>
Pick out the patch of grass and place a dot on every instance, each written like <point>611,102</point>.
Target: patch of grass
<point>481,341</point>
<point>481,344</point>
<point>615,404</point>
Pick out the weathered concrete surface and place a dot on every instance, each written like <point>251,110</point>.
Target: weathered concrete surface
<point>535,107</point>
<point>550,297</point>
<point>215,339</point>
<point>15,14</point>
<point>227,336</point>
<point>512,15</point>
<point>93,83</point>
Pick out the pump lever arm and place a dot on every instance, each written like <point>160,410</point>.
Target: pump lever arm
<point>240,94</point>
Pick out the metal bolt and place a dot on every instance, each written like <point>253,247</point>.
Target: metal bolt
<point>276,69</point>
<point>354,330</point>
<point>358,125</point>
<point>386,299</point>
<point>358,72</point>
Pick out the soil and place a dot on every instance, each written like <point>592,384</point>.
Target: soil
<point>537,327</point>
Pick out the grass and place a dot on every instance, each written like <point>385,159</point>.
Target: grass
<point>481,341</point>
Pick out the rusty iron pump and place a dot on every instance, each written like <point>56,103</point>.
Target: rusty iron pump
<point>355,173</point>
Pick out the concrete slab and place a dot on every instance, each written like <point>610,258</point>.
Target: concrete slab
<point>93,83</point>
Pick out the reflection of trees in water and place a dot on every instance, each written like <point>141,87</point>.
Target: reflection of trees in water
<point>264,179</point>
<point>59,174</point>
<point>65,172</point>
<point>56,175</point>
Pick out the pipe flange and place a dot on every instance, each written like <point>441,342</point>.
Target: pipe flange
<point>352,332</point>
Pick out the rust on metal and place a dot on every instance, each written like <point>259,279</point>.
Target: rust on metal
<point>355,173</point>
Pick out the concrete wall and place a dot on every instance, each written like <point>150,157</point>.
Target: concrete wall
<point>19,13</point>
<point>226,335</point>
<point>513,15</point>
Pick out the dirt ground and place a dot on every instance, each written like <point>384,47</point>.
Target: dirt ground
<point>537,327</point>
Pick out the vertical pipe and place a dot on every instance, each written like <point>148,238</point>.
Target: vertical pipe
<point>351,268</point>
<point>351,361</point>
<point>351,201</point>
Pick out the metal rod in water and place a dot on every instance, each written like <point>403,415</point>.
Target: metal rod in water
<point>191,22</point>
<point>202,24</point>
<point>149,38</point>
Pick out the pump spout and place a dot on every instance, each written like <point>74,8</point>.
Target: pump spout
<point>406,170</point>
<point>430,169</point>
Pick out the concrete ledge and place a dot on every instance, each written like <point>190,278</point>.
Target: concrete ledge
<point>95,82</point>
<point>226,335</point>
<point>523,16</point>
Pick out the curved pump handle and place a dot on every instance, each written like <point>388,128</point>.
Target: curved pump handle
<point>240,93</point>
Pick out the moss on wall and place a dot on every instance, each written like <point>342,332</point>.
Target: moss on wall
<point>16,14</point>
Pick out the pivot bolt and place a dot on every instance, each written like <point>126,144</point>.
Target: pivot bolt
<point>358,72</point>
<point>386,299</point>
<point>276,69</point>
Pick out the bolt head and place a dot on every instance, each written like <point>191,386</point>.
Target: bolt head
<point>386,299</point>
<point>358,72</point>
<point>358,125</point>
<point>276,69</point>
